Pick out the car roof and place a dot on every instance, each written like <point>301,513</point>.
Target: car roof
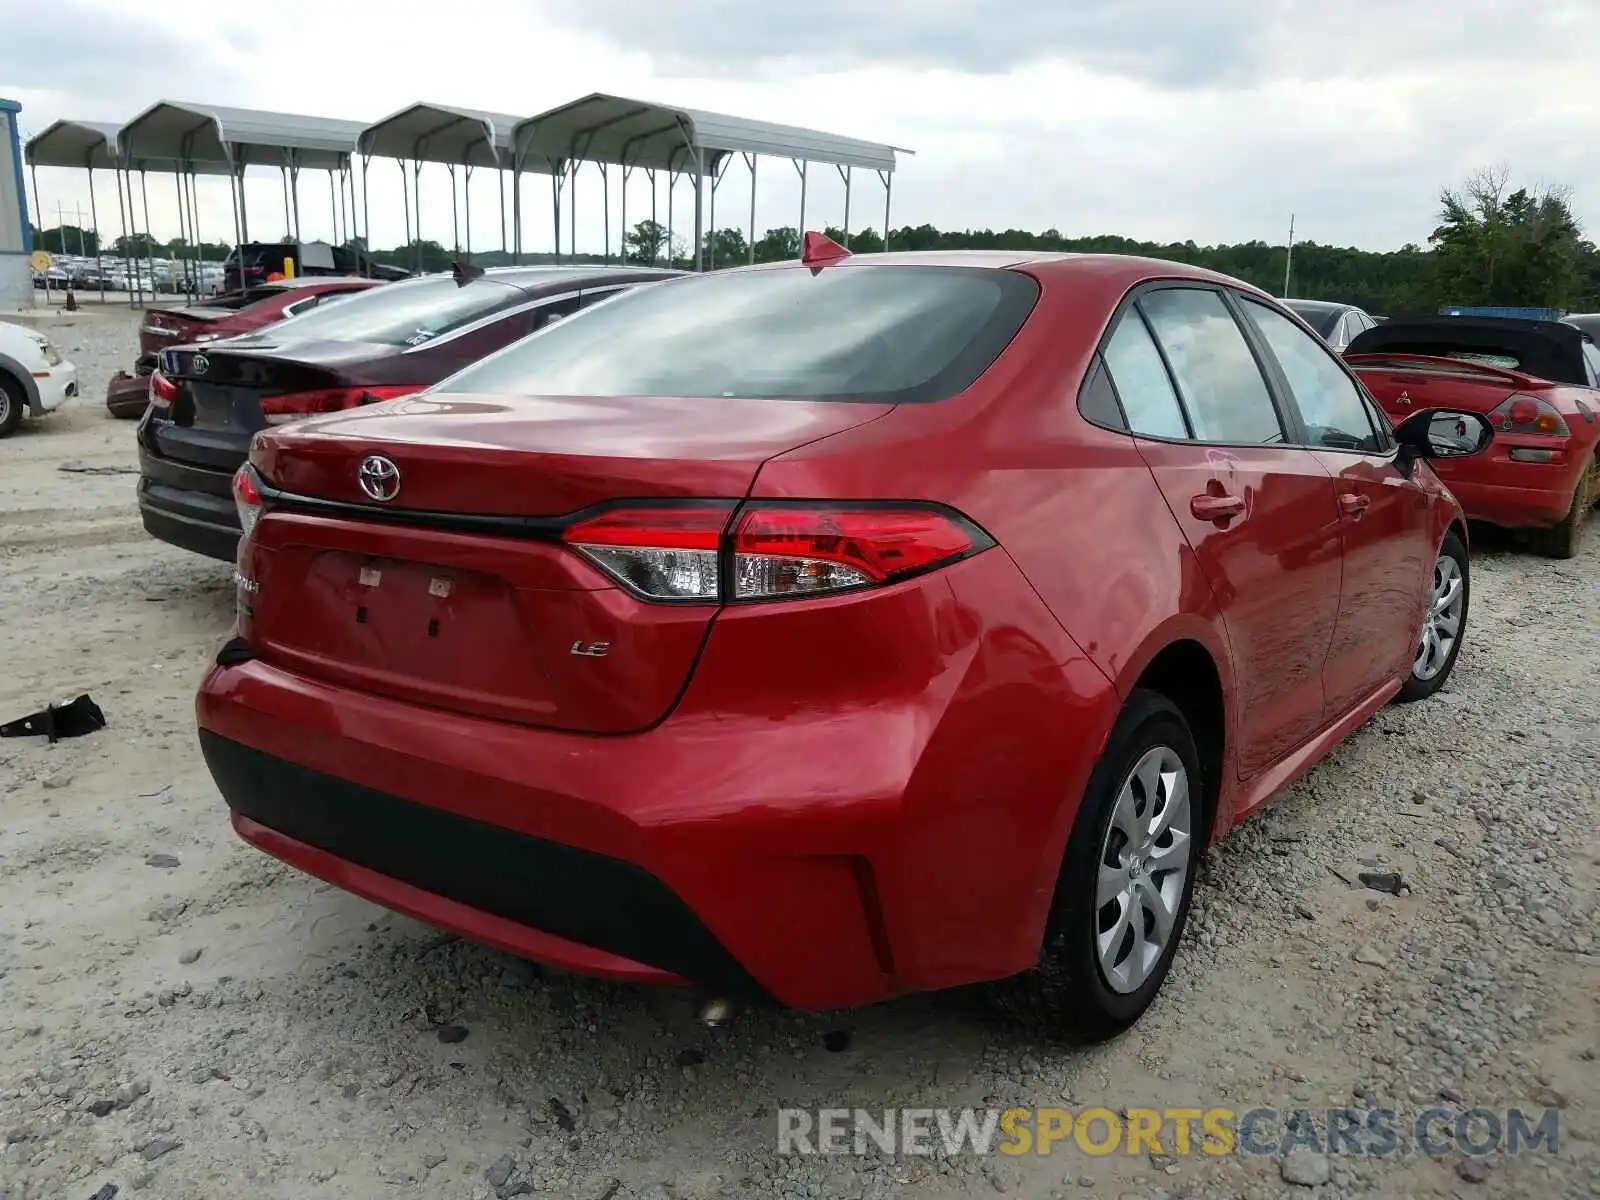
<point>1551,350</point>
<point>580,274</point>
<point>1316,305</point>
<point>1128,269</point>
<point>303,281</point>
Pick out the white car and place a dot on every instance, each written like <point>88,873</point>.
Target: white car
<point>34,378</point>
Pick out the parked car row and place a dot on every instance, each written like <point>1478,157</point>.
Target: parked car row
<point>819,632</point>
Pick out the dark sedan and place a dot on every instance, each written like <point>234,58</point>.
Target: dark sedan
<point>1334,322</point>
<point>207,402</point>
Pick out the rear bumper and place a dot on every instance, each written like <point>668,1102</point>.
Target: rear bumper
<point>185,505</point>
<point>529,895</point>
<point>824,856</point>
<point>1516,495</point>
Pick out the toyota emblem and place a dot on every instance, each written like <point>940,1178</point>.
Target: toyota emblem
<point>379,478</point>
<point>200,364</point>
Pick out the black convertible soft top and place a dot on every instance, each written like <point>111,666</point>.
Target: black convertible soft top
<point>1549,350</point>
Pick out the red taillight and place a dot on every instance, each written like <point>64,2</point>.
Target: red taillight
<point>246,498</point>
<point>1528,414</point>
<point>783,551</point>
<point>777,551</point>
<point>296,405</point>
<point>162,390</point>
<point>662,553</point>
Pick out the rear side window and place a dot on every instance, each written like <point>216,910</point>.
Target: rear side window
<point>885,334</point>
<point>402,314</point>
<point>1218,379</point>
<point>1335,416</point>
<point>1142,382</point>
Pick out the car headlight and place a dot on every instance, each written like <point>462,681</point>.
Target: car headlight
<point>206,337</point>
<point>51,354</point>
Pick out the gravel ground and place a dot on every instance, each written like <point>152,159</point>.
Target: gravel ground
<point>182,1017</point>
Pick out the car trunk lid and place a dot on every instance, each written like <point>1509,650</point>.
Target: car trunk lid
<point>500,619</point>
<point>221,392</point>
<point>1406,383</point>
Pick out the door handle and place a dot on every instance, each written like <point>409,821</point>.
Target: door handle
<point>1207,507</point>
<point>1354,504</point>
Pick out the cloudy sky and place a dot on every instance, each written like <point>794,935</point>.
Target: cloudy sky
<point>1158,119</point>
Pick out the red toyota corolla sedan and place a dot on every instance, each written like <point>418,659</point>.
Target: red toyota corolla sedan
<point>1537,382</point>
<point>832,630</point>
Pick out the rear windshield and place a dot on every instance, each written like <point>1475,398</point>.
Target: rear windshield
<point>1319,318</point>
<point>402,314</point>
<point>885,334</point>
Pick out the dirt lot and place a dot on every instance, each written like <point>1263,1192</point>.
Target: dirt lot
<point>183,1018</point>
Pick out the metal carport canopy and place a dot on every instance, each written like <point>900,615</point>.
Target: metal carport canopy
<point>201,138</point>
<point>88,145</point>
<point>207,133</point>
<point>451,136</point>
<point>638,133</point>
<point>607,129</point>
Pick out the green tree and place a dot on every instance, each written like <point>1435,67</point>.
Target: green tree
<point>645,242</point>
<point>1499,246</point>
<point>726,248</point>
<point>778,245</point>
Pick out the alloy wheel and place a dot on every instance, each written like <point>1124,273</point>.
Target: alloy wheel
<point>1143,868</point>
<point>1442,625</point>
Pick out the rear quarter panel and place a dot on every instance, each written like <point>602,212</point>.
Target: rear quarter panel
<point>1093,550</point>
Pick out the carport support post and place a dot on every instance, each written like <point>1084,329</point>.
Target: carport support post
<point>572,211</point>
<point>405,203</point>
<point>366,221</point>
<point>751,160</point>
<point>416,199</point>
<point>333,209</point>
<point>194,228</point>
<point>455,212</point>
<point>244,216</point>
<point>650,174</point>
<point>699,209</point>
<point>129,276</point>
<point>466,201</point>
<point>294,188</point>
<point>238,238</point>
<point>627,172</point>
<point>500,174</point>
<point>844,174</point>
<point>605,209</point>
<point>672,195</point>
<point>800,166</point>
<point>288,230</point>
<point>888,181</point>
<point>149,238</point>
<point>183,225</point>
<point>33,172</point>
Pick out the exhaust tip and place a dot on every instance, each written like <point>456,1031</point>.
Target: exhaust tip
<point>716,1013</point>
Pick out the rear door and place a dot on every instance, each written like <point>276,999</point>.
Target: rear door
<point>1258,510</point>
<point>1385,518</point>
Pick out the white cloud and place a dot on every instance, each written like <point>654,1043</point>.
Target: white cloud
<point>1139,117</point>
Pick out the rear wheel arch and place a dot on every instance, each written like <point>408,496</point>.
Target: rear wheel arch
<point>1186,673</point>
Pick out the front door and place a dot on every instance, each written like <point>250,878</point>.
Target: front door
<point>1385,519</point>
<point>1259,511</point>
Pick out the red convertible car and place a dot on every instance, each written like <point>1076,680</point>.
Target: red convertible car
<point>830,630</point>
<point>225,316</point>
<point>1535,381</point>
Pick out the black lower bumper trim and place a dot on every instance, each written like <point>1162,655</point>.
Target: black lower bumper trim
<point>587,898</point>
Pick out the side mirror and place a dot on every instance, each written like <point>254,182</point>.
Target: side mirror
<point>1443,433</point>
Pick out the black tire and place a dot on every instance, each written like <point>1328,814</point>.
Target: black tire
<point>1416,687</point>
<point>1566,539</point>
<point>13,401</point>
<point>1067,995</point>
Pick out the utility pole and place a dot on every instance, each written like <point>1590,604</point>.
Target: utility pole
<point>1288,258</point>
